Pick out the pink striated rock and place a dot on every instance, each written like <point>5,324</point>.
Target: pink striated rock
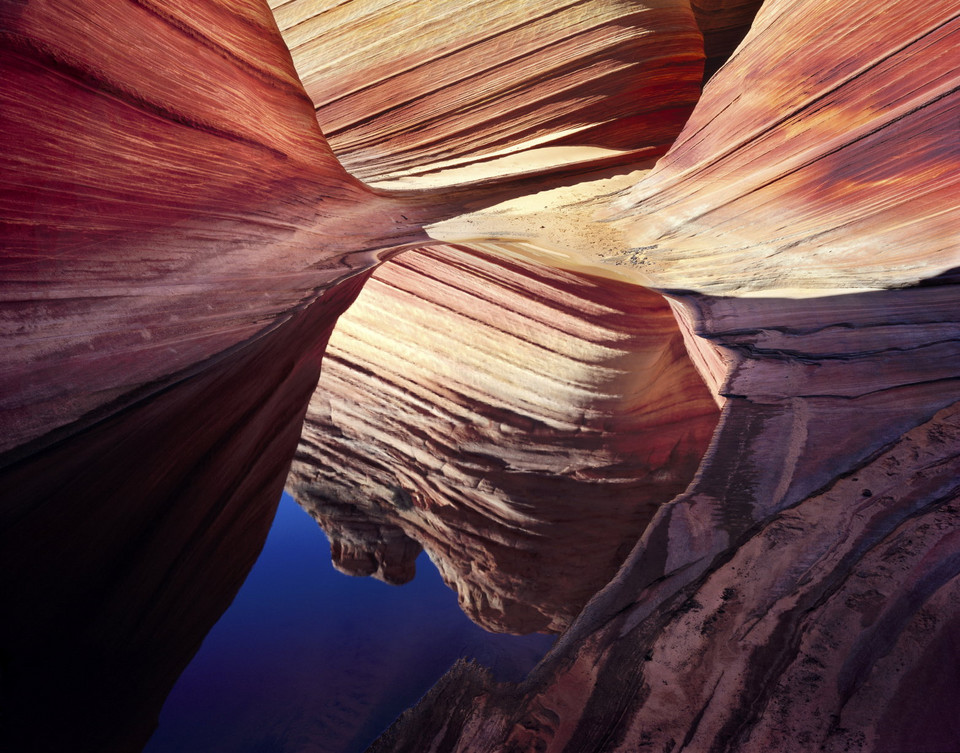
<point>484,407</point>
<point>179,240</point>
<point>166,195</point>
<point>405,90</point>
<point>803,168</point>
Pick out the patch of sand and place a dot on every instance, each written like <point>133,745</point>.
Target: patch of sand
<point>564,227</point>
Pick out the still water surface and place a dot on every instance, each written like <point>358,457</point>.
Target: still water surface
<point>309,659</point>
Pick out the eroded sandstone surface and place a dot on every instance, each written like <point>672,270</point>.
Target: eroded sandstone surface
<point>700,415</point>
<point>486,408</point>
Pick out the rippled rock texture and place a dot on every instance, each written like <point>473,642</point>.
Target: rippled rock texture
<point>166,199</point>
<point>486,408</point>
<point>406,89</point>
<point>793,597</point>
<point>167,195</point>
<point>529,392</point>
<point>802,168</point>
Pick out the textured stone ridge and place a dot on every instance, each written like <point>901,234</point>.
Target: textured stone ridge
<point>803,167</point>
<point>486,406</point>
<point>818,631</point>
<point>408,88</point>
<point>795,595</point>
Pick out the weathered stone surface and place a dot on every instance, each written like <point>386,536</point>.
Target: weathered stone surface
<point>486,408</point>
<point>166,195</point>
<point>817,632</point>
<point>406,89</point>
<point>806,168</point>
<point>795,593</point>
<point>178,239</point>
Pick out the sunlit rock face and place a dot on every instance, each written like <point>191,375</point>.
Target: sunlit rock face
<point>167,194</point>
<point>795,596</point>
<point>488,408</point>
<point>406,89</point>
<point>805,168</point>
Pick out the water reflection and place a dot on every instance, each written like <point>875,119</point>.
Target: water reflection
<point>123,543</point>
<point>307,658</point>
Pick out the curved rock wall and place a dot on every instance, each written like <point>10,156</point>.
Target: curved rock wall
<point>405,89</point>
<point>483,407</point>
<point>122,544</point>
<point>794,594</point>
<point>179,238</point>
<point>166,195</point>
<point>822,156</point>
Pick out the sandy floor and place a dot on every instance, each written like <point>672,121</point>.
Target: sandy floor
<point>564,227</point>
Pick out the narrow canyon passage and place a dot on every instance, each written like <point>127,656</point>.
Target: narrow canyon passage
<point>669,369</point>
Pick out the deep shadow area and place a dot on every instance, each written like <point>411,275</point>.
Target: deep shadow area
<point>121,546</point>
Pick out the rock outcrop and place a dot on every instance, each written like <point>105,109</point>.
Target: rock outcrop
<point>806,168</point>
<point>487,408</point>
<point>172,221</point>
<point>167,194</point>
<point>415,93</point>
<point>794,594</point>
<point>522,394</point>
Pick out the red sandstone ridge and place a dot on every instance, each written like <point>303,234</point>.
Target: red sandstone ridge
<point>166,195</point>
<point>478,89</point>
<point>173,226</point>
<point>486,408</point>
<point>179,239</point>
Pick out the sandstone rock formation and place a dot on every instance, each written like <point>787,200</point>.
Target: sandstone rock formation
<point>179,240</point>
<point>793,595</point>
<point>478,89</point>
<point>487,408</point>
<point>121,545</point>
<point>170,211</point>
<point>167,195</point>
<point>804,169</point>
<point>824,629</point>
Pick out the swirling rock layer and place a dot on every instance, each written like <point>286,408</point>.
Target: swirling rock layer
<point>178,239</point>
<point>403,89</point>
<point>802,168</point>
<point>166,195</point>
<point>818,632</point>
<point>795,594</point>
<point>483,407</point>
